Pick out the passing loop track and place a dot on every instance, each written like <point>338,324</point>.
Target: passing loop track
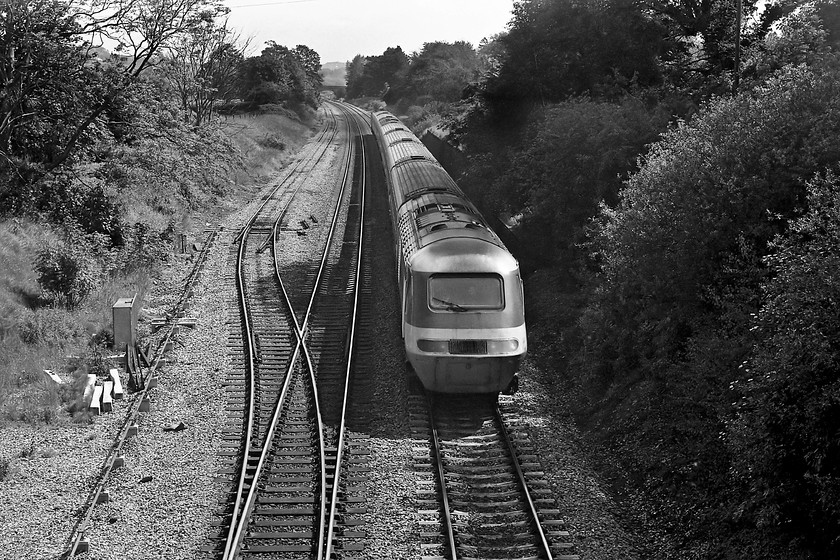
<point>285,494</point>
<point>493,500</point>
<point>99,493</point>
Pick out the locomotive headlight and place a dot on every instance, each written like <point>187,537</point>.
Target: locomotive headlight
<point>502,346</point>
<point>437,346</point>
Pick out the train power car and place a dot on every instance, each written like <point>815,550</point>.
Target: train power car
<point>463,311</point>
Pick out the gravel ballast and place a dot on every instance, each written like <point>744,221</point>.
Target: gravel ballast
<point>163,500</point>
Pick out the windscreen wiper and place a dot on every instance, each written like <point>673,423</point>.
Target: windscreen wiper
<point>449,305</point>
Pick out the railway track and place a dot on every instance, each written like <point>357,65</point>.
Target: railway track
<point>286,437</point>
<point>296,455</point>
<point>78,542</point>
<point>484,495</point>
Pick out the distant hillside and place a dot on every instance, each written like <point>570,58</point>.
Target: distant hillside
<point>334,73</point>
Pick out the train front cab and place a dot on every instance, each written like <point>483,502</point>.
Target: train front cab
<point>464,317</point>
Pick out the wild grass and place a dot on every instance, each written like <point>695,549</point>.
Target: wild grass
<point>36,335</point>
<point>265,142</point>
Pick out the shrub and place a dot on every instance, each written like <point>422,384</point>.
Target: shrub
<point>785,432</point>
<point>682,269</point>
<point>48,326</point>
<point>724,182</point>
<point>143,247</point>
<point>88,204</point>
<point>68,272</point>
<point>575,155</point>
<point>273,142</point>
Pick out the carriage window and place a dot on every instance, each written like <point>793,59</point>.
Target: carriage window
<point>465,292</point>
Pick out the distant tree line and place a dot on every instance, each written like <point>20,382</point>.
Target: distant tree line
<point>681,218</point>
<point>439,72</point>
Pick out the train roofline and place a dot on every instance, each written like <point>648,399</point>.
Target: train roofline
<point>463,254</point>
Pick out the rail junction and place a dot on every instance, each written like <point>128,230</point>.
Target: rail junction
<point>295,457</point>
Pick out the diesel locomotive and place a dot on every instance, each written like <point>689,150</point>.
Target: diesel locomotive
<point>463,310</point>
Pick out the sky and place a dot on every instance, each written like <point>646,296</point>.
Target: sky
<point>338,30</point>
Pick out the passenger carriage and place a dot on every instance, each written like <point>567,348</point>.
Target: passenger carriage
<point>463,316</point>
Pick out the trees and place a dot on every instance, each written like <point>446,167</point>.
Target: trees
<point>681,276</point>
<point>355,71</point>
<point>56,94</point>
<point>310,61</point>
<point>202,66</point>
<point>46,78</point>
<point>736,173</point>
<point>442,70</point>
<point>380,74</point>
<point>561,48</point>
<point>574,156</point>
<point>784,436</point>
<point>711,22</point>
<point>280,74</point>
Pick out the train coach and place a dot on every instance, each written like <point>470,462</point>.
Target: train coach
<point>463,311</point>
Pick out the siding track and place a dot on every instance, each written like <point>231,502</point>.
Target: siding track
<point>287,435</point>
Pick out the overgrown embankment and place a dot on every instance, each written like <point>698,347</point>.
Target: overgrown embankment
<point>60,277</point>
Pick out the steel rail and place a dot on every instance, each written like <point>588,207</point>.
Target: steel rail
<point>351,339</point>
<point>523,484</point>
<point>444,494</point>
<point>235,536</point>
<point>236,519</point>
<point>133,412</point>
<point>249,373</point>
<point>298,163</point>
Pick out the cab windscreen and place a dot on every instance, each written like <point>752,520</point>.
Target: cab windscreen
<point>465,292</point>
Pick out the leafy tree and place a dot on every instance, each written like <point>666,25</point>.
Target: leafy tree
<point>203,66</point>
<point>705,30</point>
<point>46,78</point>
<point>829,14</point>
<point>574,156</point>
<point>56,95</point>
<point>562,48</point>
<point>721,183</point>
<point>442,70</point>
<point>491,54</point>
<point>279,75</point>
<point>355,71</point>
<point>785,436</point>
<point>310,61</point>
<point>383,73</point>
<point>680,278</point>
<point>798,37</point>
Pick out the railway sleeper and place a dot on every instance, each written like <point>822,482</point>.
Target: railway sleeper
<point>469,470</point>
<point>482,551</point>
<point>493,540</point>
<point>280,535</point>
<point>279,489</point>
<point>472,485</point>
<point>474,496</point>
<point>275,549</point>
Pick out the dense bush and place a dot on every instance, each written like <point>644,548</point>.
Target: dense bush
<point>678,249</point>
<point>48,326</point>
<point>681,277</point>
<point>67,272</point>
<point>560,49</point>
<point>787,433</point>
<point>574,156</point>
